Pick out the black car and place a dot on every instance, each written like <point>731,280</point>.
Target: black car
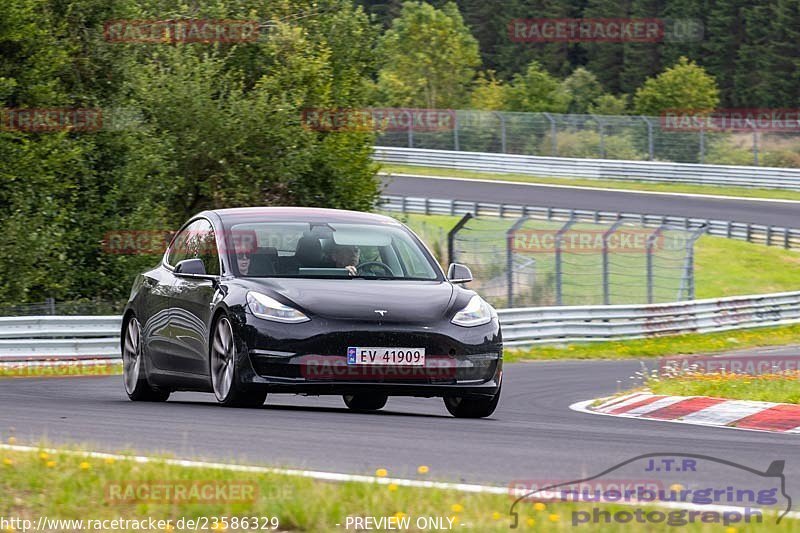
<point>248,301</point>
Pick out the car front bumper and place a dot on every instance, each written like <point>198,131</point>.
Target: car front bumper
<point>311,358</point>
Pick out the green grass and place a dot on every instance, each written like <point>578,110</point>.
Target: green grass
<point>724,267</point>
<point>64,486</point>
<point>611,184</point>
<point>694,343</point>
<point>782,387</point>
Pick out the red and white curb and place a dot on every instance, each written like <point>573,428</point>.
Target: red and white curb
<point>699,410</point>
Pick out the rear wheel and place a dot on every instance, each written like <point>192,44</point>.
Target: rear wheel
<point>365,402</point>
<point>133,375</point>
<point>224,376</point>
<point>465,407</point>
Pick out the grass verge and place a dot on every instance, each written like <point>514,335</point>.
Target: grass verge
<point>607,184</point>
<point>69,487</point>
<point>781,387</point>
<point>693,343</point>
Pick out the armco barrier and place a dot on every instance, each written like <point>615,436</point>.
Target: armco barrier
<point>745,231</point>
<point>600,169</point>
<point>98,336</point>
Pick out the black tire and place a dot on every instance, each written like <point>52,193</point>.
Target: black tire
<point>365,402</point>
<point>479,407</point>
<point>133,375</point>
<point>224,372</point>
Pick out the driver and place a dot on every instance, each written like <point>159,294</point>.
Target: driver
<point>346,256</point>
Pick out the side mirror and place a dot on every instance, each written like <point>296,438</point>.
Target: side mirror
<point>458,273</point>
<point>191,267</point>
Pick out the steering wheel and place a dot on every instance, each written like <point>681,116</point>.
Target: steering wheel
<point>361,268</point>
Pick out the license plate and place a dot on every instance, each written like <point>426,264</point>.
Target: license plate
<point>361,355</point>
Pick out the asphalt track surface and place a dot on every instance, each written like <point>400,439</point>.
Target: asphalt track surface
<point>775,213</point>
<point>533,435</point>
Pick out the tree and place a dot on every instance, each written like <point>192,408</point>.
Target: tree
<point>489,93</point>
<point>537,91</point>
<point>583,89</point>
<point>686,85</point>
<point>428,58</point>
<point>608,104</point>
<point>211,125</point>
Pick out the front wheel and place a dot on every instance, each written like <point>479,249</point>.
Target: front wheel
<point>224,375</point>
<point>365,402</point>
<point>133,375</point>
<point>480,407</point>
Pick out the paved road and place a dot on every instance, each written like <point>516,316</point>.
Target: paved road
<point>533,434</point>
<point>775,213</point>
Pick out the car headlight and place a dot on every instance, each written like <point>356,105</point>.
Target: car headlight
<point>265,307</point>
<point>476,313</point>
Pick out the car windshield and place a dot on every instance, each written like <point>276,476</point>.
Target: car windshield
<point>328,250</point>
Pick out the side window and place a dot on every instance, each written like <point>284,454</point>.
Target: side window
<point>414,263</point>
<point>177,249</point>
<point>197,241</point>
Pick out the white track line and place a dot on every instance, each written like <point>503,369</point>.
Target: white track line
<point>587,188</point>
<point>333,476</point>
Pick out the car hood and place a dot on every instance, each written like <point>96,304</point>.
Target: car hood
<point>359,299</point>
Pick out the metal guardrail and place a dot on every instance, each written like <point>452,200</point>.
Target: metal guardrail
<point>788,238</point>
<point>59,336</point>
<point>98,336</point>
<point>600,169</point>
<point>538,325</point>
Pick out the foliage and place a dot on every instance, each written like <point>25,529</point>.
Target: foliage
<point>537,91</point>
<point>686,85</point>
<point>428,58</point>
<point>186,127</point>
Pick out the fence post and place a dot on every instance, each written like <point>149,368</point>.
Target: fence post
<point>649,137</point>
<point>786,238</point>
<point>51,306</point>
<point>755,146</point>
<point>553,134</point>
<point>651,239</point>
<point>456,144</point>
<point>602,130</point>
<point>410,129</point>
<point>559,269</point>
<point>510,259</point>
<point>702,144</point>
<point>502,118</point>
<point>451,237</point>
<point>606,235</point>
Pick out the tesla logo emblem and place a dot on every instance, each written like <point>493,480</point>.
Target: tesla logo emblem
<point>381,312</point>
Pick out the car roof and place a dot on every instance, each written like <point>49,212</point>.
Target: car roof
<point>238,215</point>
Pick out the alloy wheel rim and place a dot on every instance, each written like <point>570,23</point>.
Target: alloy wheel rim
<point>131,355</point>
<point>222,359</point>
